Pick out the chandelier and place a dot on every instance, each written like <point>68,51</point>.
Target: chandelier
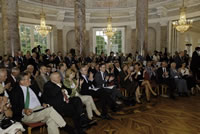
<point>43,29</point>
<point>109,31</point>
<point>183,24</point>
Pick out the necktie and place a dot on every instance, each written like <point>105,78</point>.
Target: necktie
<point>27,98</point>
<point>164,70</point>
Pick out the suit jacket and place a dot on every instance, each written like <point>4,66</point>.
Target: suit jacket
<point>121,77</point>
<point>17,101</point>
<point>53,96</point>
<point>159,75</point>
<point>85,86</point>
<point>178,61</point>
<point>12,82</point>
<point>21,62</point>
<point>110,58</point>
<point>100,82</point>
<point>195,61</point>
<point>174,74</point>
<point>116,72</point>
<point>33,62</point>
<point>58,60</point>
<point>68,61</point>
<point>46,59</point>
<point>40,81</point>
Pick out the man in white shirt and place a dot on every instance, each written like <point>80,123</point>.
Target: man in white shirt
<point>27,107</point>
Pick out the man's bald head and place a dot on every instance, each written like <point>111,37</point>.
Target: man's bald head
<point>55,77</point>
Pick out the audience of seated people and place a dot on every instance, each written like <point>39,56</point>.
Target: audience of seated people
<point>49,87</point>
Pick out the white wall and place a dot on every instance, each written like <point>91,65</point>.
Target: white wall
<point>189,37</point>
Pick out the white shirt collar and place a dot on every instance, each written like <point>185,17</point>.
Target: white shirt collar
<point>13,77</point>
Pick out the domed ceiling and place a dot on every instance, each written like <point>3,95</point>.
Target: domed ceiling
<point>97,10</point>
<point>115,3</point>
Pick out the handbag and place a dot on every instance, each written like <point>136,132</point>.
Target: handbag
<point>6,122</point>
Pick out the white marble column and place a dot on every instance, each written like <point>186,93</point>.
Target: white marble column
<point>80,26</point>
<point>142,26</point>
<point>11,39</point>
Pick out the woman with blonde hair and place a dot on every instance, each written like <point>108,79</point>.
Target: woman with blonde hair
<point>73,84</point>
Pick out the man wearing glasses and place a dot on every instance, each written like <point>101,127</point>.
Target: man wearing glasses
<point>27,107</point>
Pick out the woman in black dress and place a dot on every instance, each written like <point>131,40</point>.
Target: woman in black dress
<point>127,82</point>
<point>138,75</point>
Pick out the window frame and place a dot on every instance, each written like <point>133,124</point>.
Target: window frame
<point>122,29</point>
<point>32,38</point>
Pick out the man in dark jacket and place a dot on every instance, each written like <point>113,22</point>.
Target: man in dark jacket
<point>57,95</point>
<point>195,66</point>
<point>27,107</point>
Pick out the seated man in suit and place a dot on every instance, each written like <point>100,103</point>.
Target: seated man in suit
<point>27,107</point>
<point>57,95</point>
<point>42,78</point>
<point>102,79</point>
<point>104,97</point>
<point>163,77</point>
<point>117,68</point>
<point>12,77</point>
<point>58,58</point>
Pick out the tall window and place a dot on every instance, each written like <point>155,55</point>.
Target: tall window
<point>25,38</point>
<point>39,40</point>
<point>103,44</point>
<point>30,38</point>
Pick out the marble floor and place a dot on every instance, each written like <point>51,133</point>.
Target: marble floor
<point>161,116</point>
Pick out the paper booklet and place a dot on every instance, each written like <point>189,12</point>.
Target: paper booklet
<point>95,89</point>
<point>110,87</point>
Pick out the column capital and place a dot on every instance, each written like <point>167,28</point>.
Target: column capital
<point>59,26</point>
<point>163,23</point>
<point>162,11</point>
<point>61,15</point>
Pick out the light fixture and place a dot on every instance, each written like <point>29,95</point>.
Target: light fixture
<point>43,29</point>
<point>109,31</point>
<point>183,24</point>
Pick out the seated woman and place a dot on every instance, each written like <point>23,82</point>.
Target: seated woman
<point>185,73</point>
<point>74,84</point>
<point>150,70</point>
<point>181,84</point>
<point>127,82</point>
<point>138,75</point>
<point>5,113</point>
<point>110,73</point>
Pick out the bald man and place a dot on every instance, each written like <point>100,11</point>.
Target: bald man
<point>57,95</point>
<point>27,107</point>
